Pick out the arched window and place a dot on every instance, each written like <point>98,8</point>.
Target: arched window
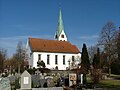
<point>62,36</point>
<point>56,37</point>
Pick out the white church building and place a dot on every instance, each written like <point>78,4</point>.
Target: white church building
<point>55,53</point>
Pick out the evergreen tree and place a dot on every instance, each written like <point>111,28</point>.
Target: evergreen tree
<point>85,63</point>
<point>96,72</point>
<point>85,58</point>
<point>96,59</point>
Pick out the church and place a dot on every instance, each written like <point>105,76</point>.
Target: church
<point>57,53</point>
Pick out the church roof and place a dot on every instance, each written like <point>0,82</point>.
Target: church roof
<point>54,46</point>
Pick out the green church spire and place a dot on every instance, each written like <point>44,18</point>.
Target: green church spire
<point>60,33</point>
<point>60,27</point>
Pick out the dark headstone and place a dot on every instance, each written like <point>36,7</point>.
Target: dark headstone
<point>12,79</point>
<point>35,80</point>
<point>66,82</point>
<point>42,82</point>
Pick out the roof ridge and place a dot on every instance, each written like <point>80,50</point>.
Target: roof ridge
<point>45,45</point>
<point>49,40</point>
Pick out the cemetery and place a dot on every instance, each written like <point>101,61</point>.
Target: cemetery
<point>39,81</point>
<point>54,80</point>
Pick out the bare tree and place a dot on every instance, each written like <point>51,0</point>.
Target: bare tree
<point>20,56</point>
<point>2,58</point>
<point>118,44</point>
<point>106,39</point>
<point>20,52</point>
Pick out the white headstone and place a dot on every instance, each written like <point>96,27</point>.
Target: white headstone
<point>72,79</point>
<point>25,80</point>
<point>81,81</point>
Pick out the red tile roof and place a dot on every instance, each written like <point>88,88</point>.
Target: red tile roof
<point>43,45</point>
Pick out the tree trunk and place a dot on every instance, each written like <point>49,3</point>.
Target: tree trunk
<point>109,67</point>
<point>109,70</point>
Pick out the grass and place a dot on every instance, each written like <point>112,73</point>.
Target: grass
<point>108,83</point>
<point>115,75</point>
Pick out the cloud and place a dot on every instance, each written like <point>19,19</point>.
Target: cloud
<point>10,43</point>
<point>90,40</point>
<point>45,36</point>
<point>88,37</point>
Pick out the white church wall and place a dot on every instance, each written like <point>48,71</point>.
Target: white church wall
<point>52,64</point>
<point>60,37</point>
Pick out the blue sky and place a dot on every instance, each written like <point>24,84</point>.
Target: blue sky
<point>83,20</point>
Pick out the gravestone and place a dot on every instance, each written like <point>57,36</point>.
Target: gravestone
<point>50,82</point>
<point>25,80</point>
<point>81,75</point>
<point>42,82</point>
<point>72,79</point>
<point>35,80</point>
<point>42,77</point>
<point>80,78</point>
<point>50,88</point>
<point>12,79</point>
<point>37,72</point>
<point>5,84</point>
<point>66,82</point>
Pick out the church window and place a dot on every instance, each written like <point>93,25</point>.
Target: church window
<point>56,37</point>
<point>73,58</point>
<point>56,59</point>
<point>62,36</point>
<point>39,56</point>
<point>63,59</point>
<point>48,59</point>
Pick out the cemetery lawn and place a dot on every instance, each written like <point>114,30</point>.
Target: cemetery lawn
<point>108,83</point>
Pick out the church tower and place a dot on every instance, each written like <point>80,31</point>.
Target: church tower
<point>60,33</point>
